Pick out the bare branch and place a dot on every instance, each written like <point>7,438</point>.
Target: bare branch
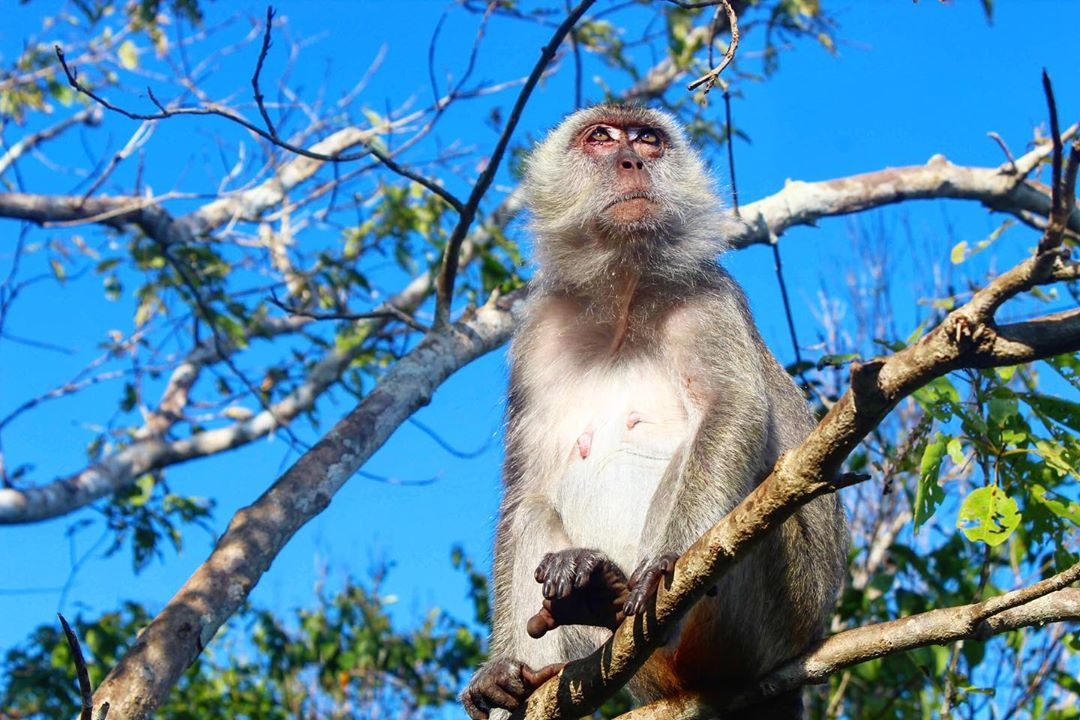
<point>89,116</point>
<point>936,627</point>
<point>85,693</point>
<point>231,115</point>
<point>804,203</point>
<point>448,273</point>
<point>710,78</point>
<point>390,312</point>
<point>979,621</point>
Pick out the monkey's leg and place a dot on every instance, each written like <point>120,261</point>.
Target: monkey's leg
<point>529,528</point>
<point>580,587</point>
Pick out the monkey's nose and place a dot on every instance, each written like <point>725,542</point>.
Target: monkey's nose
<point>627,159</point>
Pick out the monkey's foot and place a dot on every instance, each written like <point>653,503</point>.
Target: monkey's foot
<point>503,684</point>
<point>580,587</point>
<point>646,579</point>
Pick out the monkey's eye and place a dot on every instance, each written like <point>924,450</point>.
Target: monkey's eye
<point>649,136</point>
<point>599,135</point>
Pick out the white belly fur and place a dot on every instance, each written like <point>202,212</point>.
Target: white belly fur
<point>599,496</point>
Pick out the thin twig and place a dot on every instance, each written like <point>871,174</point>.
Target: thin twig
<point>387,311</point>
<point>85,691</point>
<point>231,115</point>
<point>709,79</point>
<point>258,71</point>
<point>445,281</point>
<point>731,153</point>
<point>1005,149</point>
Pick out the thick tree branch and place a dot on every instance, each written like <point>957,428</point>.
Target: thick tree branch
<point>257,533</point>
<point>804,203</point>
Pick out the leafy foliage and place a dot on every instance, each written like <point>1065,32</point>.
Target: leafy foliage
<point>347,656</point>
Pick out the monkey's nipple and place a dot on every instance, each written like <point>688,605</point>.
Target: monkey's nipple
<point>584,444</point>
<point>632,420</point>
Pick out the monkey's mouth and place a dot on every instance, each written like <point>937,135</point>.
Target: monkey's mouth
<point>629,197</point>
<point>631,208</point>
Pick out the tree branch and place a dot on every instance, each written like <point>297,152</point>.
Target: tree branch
<point>89,116</point>
<point>851,647</point>
<point>804,203</point>
<point>444,288</point>
<point>258,532</point>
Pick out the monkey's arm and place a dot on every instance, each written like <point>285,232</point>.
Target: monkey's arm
<point>775,600</point>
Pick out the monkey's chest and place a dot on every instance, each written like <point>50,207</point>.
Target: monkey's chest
<point>613,440</point>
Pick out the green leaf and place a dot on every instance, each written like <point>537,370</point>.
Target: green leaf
<point>959,252</point>
<point>144,490</point>
<point>1058,409</point>
<point>956,451</point>
<point>929,494</point>
<point>988,515</point>
<point>128,55</point>
<point>1062,508</point>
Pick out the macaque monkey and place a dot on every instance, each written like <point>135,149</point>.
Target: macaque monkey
<point>643,406</point>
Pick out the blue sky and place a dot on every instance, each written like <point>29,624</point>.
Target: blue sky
<point>911,80</point>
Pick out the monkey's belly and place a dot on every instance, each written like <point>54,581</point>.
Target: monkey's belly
<point>605,477</point>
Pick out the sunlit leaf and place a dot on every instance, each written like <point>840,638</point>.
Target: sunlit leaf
<point>988,515</point>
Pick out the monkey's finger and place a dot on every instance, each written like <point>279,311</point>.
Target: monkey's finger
<point>585,569</point>
<point>534,679</point>
<point>542,568</point>
<point>497,697</point>
<point>474,706</point>
<point>539,625</point>
<point>635,577</point>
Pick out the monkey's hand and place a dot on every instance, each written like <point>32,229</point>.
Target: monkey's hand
<point>581,587</point>
<point>646,579</point>
<point>503,684</point>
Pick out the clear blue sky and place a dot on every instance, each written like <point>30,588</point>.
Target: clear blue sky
<point>911,80</point>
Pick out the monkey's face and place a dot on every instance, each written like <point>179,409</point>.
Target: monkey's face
<point>624,156</point>
<point>618,185</point>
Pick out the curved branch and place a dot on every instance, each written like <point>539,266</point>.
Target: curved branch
<point>258,532</point>
<point>804,203</point>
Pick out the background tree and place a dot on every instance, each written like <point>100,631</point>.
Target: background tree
<point>257,298</point>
